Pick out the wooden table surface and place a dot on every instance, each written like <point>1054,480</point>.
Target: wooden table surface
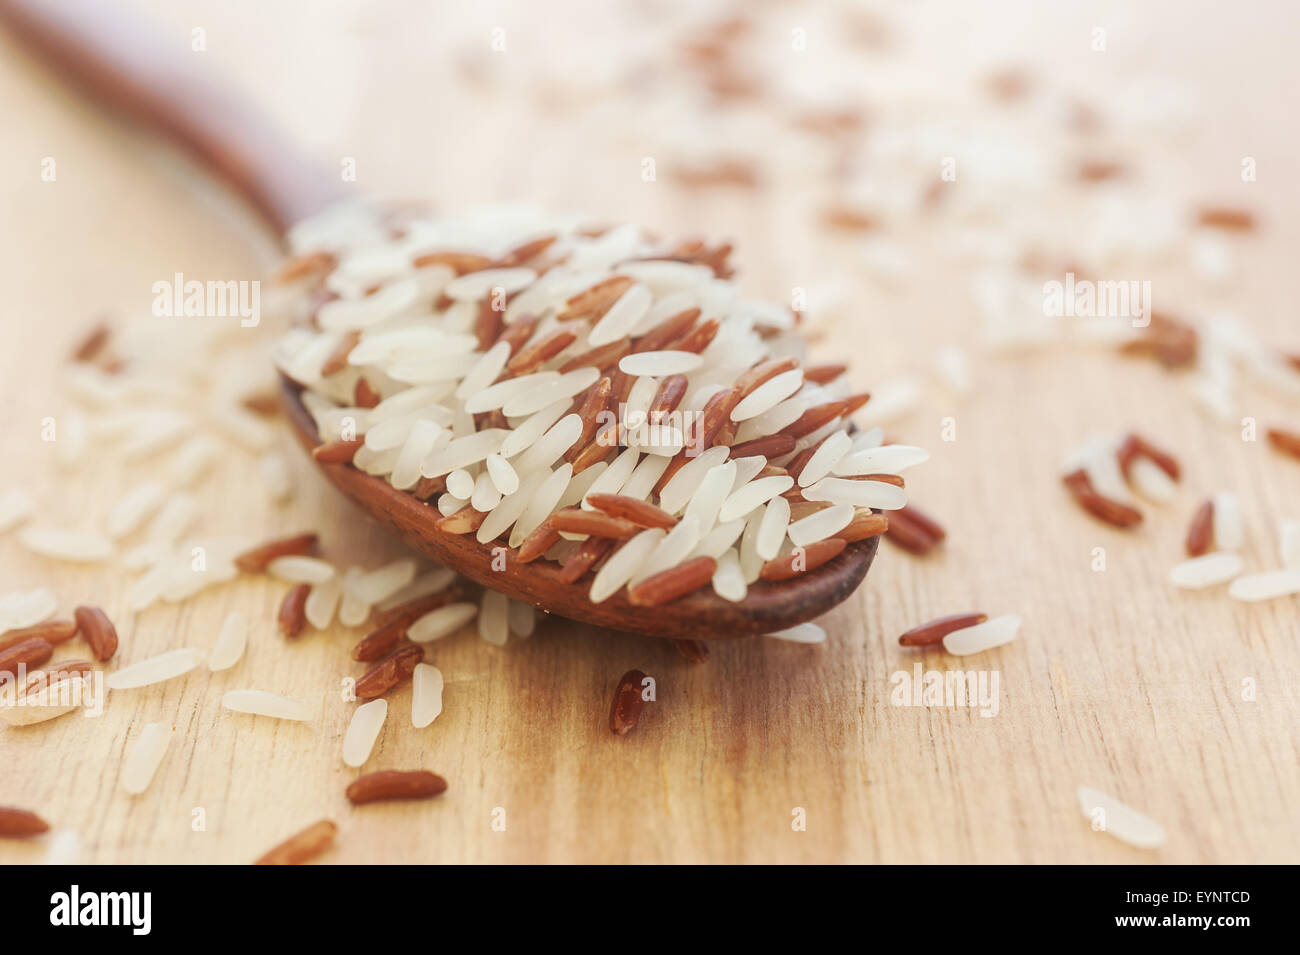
<point>1117,681</point>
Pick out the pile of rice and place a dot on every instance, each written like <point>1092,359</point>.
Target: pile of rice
<point>428,312</point>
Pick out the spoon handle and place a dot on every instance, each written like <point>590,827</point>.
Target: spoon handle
<point>131,70</point>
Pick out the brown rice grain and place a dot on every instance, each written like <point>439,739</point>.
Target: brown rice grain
<point>19,823</point>
<point>538,353</point>
<point>593,549</point>
<point>764,371</point>
<point>337,359</point>
<point>1288,442</point>
<point>928,634</point>
<point>669,330</point>
<point>257,559</point>
<point>51,631</point>
<point>698,338</point>
<point>389,672</point>
<point>1112,512</point>
<point>801,560</point>
<point>668,585</point>
<point>542,539</point>
<point>625,711</point>
<point>98,632</point>
<point>461,263</point>
<point>363,396</point>
<point>302,846</point>
<point>30,653</point>
<point>293,610</point>
<point>815,417</point>
<point>823,374</point>
<point>864,524</point>
<point>694,651</point>
<point>574,520</point>
<point>638,512</point>
<point>666,399</point>
<point>601,357</point>
<point>769,446</point>
<point>1200,535</point>
<point>337,452</point>
<point>395,784</point>
<point>593,301</point>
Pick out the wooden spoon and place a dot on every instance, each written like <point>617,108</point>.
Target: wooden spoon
<point>116,63</point>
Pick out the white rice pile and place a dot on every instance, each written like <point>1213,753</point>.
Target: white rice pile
<point>417,347</point>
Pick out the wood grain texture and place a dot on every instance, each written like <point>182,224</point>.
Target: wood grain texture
<point>1116,682</point>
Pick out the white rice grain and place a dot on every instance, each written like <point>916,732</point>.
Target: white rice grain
<point>525,436</point>
<point>439,623</point>
<point>231,642</point>
<point>801,633</point>
<point>135,507</point>
<point>676,546</point>
<point>983,636</point>
<point>363,731</point>
<point>15,507</point>
<point>1206,571</point>
<point>144,756</point>
<point>682,486</point>
<point>76,546</point>
<point>1266,586</point>
<point>494,618</point>
<point>708,498</point>
<point>623,563</point>
<point>1288,535</point>
<point>502,474</point>
<point>383,582</point>
<point>545,499</point>
<point>301,570</point>
<point>660,363</point>
<point>426,694</point>
<point>878,494</point>
<point>772,528</point>
<point>484,371</point>
<point>753,495</point>
<point>323,601</point>
<point>889,459</point>
<point>562,388</point>
<point>353,611</point>
<point>1107,814</point>
<point>768,395</point>
<point>728,579</point>
<point>823,524</point>
<point>548,448</point>
<point>1229,531</point>
<point>828,454</point>
<point>165,666</point>
<point>621,317</point>
<point>262,703</point>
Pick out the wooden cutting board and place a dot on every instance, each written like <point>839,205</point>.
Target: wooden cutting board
<point>1182,705</point>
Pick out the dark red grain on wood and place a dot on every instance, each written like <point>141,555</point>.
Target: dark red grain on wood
<point>934,631</point>
<point>393,669</point>
<point>391,784</point>
<point>625,710</point>
<point>97,630</point>
<point>293,610</point>
<point>1200,535</point>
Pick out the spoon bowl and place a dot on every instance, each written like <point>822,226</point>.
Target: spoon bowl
<point>703,615</point>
